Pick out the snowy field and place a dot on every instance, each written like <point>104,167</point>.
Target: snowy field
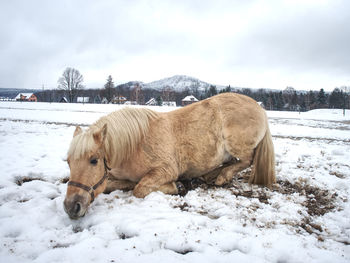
<point>304,218</point>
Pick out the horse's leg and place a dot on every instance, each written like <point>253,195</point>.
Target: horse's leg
<point>227,173</point>
<point>158,179</point>
<point>169,188</point>
<point>114,184</point>
<point>210,177</point>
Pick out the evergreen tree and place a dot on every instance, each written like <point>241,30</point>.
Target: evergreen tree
<point>274,100</point>
<point>336,99</point>
<point>159,101</point>
<point>280,101</point>
<point>311,100</point>
<point>212,91</point>
<point>302,102</point>
<point>109,89</point>
<point>248,92</point>
<point>321,98</point>
<point>228,88</point>
<point>294,100</point>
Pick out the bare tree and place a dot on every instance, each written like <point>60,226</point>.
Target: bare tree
<point>71,81</point>
<point>168,94</point>
<point>136,94</point>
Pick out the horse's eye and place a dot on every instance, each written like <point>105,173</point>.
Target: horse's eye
<point>93,161</point>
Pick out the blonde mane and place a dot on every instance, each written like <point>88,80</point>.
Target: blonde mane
<point>125,130</point>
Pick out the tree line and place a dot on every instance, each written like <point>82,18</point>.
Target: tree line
<point>70,86</point>
<point>291,100</point>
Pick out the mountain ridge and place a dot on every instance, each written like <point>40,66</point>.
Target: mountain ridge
<point>177,83</point>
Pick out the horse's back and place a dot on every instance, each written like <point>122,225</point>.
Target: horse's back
<point>227,113</point>
<point>208,132</point>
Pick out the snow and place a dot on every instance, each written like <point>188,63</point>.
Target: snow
<point>206,225</point>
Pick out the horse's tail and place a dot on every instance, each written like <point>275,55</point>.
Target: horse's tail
<point>263,171</point>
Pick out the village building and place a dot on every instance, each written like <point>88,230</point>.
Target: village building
<point>189,100</point>
<point>104,100</point>
<point>153,102</point>
<point>119,100</point>
<point>26,97</point>
<point>63,100</point>
<point>6,99</point>
<point>169,103</point>
<point>97,99</point>
<point>83,99</point>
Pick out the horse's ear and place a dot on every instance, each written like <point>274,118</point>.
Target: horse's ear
<point>77,131</point>
<point>100,135</point>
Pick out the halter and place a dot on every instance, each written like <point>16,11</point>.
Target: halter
<point>91,189</point>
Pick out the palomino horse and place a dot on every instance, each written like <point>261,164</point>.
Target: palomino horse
<point>151,150</point>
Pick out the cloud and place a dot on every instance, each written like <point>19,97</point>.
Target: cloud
<point>223,42</point>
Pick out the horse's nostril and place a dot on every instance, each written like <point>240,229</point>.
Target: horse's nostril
<point>77,208</point>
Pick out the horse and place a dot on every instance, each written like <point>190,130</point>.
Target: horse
<point>147,151</point>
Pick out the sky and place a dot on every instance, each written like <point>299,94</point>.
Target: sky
<point>304,44</point>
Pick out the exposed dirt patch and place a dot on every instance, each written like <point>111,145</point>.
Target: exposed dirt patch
<point>337,174</point>
<point>21,180</point>
<point>55,244</point>
<point>318,201</point>
<point>182,251</point>
<point>77,229</point>
<point>126,236</point>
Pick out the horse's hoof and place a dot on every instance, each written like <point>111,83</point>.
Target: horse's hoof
<point>195,183</point>
<point>141,191</point>
<point>220,181</point>
<point>181,189</point>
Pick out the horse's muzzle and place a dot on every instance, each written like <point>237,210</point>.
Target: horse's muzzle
<point>76,205</point>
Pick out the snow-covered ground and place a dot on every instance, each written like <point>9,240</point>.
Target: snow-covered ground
<point>305,218</point>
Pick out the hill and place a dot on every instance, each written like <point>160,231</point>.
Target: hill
<point>178,83</point>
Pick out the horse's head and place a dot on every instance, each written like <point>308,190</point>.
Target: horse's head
<point>88,170</point>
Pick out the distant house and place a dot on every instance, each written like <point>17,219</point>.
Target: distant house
<point>153,102</point>
<point>6,99</point>
<point>97,99</point>
<point>26,97</point>
<point>83,99</point>
<point>118,100</point>
<point>63,100</point>
<point>169,103</point>
<point>189,100</point>
<point>104,100</point>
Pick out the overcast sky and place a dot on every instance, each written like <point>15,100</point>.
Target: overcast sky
<point>249,43</point>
